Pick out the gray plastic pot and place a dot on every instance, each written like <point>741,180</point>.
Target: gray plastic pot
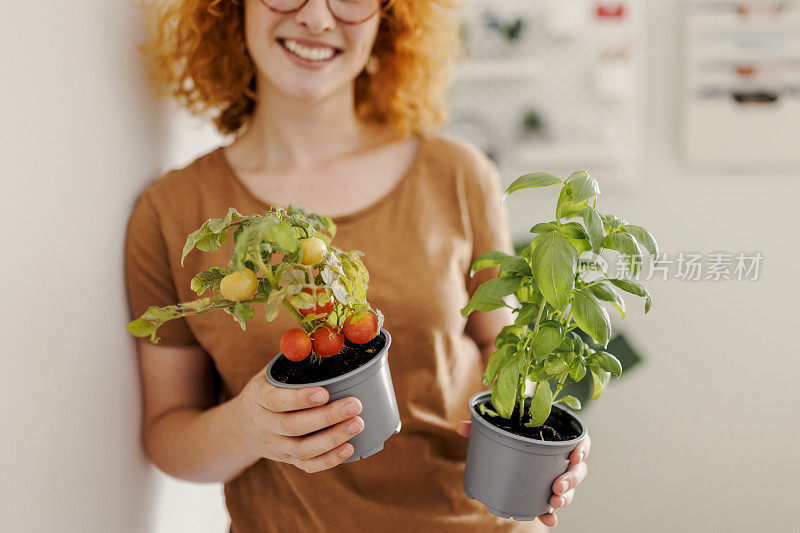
<point>371,383</point>
<point>513,475</point>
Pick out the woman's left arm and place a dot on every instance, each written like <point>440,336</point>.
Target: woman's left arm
<point>483,328</point>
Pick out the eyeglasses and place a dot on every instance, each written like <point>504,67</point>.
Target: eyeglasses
<point>344,11</point>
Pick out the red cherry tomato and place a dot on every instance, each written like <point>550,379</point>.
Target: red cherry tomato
<point>361,331</point>
<point>295,344</point>
<point>327,342</point>
<point>317,309</point>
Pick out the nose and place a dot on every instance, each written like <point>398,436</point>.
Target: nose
<point>315,16</point>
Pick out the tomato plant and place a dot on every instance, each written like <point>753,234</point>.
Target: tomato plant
<point>327,341</point>
<point>318,308</point>
<point>362,330</point>
<point>283,258</point>
<point>312,249</point>
<point>238,285</point>
<point>295,344</point>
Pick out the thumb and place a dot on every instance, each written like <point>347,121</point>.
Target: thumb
<point>463,427</point>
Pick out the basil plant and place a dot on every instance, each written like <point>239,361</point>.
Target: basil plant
<point>561,284</point>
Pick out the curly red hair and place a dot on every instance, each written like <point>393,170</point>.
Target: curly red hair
<point>415,46</point>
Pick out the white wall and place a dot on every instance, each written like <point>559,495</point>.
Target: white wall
<point>700,438</point>
<point>79,137</point>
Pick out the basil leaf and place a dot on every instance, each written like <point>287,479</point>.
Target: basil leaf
<point>547,339</point>
<point>496,361</point>
<point>599,381</point>
<point>487,260</point>
<point>643,237</point>
<point>583,186</point>
<point>634,288</point>
<point>530,181</point>
<point>504,391</point>
<point>607,294</point>
<point>605,361</point>
<point>555,261</point>
<point>594,228</point>
<point>570,401</point>
<point>540,404</point>
<point>591,316</point>
<point>625,244</point>
<point>487,296</point>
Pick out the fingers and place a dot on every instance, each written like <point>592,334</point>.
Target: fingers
<point>549,519</point>
<point>319,443</point>
<point>463,427</point>
<point>325,461</point>
<point>581,451</point>
<point>570,479</point>
<point>559,502</point>
<point>280,400</point>
<point>299,423</point>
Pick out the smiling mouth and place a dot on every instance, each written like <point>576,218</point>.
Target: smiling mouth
<point>316,53</point>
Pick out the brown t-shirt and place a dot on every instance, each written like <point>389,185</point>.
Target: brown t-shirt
<point>420,240</point>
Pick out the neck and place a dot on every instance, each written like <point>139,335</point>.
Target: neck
<point>290,133</point>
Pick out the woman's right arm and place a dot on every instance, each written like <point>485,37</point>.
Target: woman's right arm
<point>188,436</point>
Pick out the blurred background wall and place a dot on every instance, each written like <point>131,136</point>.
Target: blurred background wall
<point>700,437</point>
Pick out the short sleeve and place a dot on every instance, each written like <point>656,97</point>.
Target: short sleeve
<point>489,219</point>
<point>148,275</point>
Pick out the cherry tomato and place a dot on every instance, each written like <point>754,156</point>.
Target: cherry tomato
<point>312,250</point>
<point>317,309</point>
<point>327,342</point>
<point>295,344</point>
<point>361,331</point>
<point>238,286</point>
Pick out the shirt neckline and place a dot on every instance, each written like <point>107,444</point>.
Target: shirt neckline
<point>410,170</point>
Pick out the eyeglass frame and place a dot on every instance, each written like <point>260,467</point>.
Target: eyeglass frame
<point>382,6</point>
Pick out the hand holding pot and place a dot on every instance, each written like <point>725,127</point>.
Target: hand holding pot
<point>275,424</point>
<point>564,485</point>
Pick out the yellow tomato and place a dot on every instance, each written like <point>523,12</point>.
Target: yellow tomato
<point>312,250</point>
<point>238,286</point>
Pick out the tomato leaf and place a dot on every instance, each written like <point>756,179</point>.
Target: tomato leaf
<point>208,280</point>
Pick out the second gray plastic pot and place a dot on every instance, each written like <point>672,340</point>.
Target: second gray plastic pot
<point>510,474</point>
<point>371,383</point>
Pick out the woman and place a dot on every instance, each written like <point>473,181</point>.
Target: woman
<point>332,104</point>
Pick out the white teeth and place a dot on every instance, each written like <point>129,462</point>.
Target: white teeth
<point>310,54</point>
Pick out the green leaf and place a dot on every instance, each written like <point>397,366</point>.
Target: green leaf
<point>504,391</point>
<point>634,288</point>
<point>605,361</point>
<point>643,237</point>
<point>607,294</point>
<point>536,373</point>
<point>625,244</point>
<point>547,339</point>
<point>487,260</point>
<point>242,313</point>
<point>543,227</point>
<point>555,261</point>
<point>488,294</point>
<point>573,230</point>
<point>583,186</point>
<point>143,328</point>
<point>530,181</point>
<point>577,370</point>
<point>509,335</point>
<point>515,265</point>
<point>591,316</point>
<point>570,401</point>
<point>208,280</point>
<point>486,411</point>
<point>594,228</point>
<point>555,364</point>
<point>496,361</point>
<point>599,381</point>
<point>526,314</point>
<point>540,404</point>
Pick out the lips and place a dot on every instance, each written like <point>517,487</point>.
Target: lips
<point>307,50</point>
